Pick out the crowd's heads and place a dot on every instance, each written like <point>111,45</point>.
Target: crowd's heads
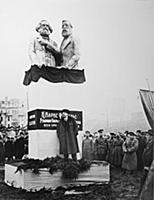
<point>131,135</point>
<point>149,134</point>
<point>66,28</point>
<point>21,134</point>
<point>87,132</point>
<point>100,130</point>
<point>44,28</point>
<point>139,132</point>
<point>112,134</point>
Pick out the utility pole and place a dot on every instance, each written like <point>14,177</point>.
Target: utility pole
<point>107,120</point>
<point>27,101</point>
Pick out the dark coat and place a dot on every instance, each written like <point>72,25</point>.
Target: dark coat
<point>67,132</point>
<point>109,156</point>
<point>148,154</point>
<point>117,153</point>
<point>147,191</point>
<point>9,149</point>
<point>101,148</point>
<point>87,149</point>
<point>2,151</point>
<point>140,150</point>
<point>19,145</point>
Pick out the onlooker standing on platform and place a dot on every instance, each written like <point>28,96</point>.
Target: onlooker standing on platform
<point>67,132</point>
<point>87,147</point>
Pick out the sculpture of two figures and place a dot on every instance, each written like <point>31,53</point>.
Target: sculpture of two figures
<point>49,62</point>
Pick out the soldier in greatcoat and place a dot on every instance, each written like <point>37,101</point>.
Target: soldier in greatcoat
<point>87,146</point>
<point>129,162</point>
<point>110,149</point>
<point>101,146</point>
<point>117,151</point>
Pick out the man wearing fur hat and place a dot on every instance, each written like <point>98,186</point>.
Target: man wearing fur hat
<point>42,49</point>
<point>69,47</point>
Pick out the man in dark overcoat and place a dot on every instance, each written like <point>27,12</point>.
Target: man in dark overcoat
<point>19,146</point>
<point>67,132</point>
<point>147,157</point>
<point>140,150</point>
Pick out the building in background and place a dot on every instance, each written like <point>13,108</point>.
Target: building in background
<point>13,112</point>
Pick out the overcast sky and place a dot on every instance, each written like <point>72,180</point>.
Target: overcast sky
<point>116,38</point>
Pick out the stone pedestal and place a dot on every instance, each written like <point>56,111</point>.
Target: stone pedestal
<point>43,143</point>
<point>44,95</point>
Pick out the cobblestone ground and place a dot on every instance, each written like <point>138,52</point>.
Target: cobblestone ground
<point>121,187</point>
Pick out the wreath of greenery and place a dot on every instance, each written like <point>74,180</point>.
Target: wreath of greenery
<point>70,168</point>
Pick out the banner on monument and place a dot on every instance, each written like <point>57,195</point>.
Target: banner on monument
<point>48,119</point>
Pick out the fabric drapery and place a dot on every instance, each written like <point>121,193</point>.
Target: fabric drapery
<point>147,99</point>
<point>54,75</point>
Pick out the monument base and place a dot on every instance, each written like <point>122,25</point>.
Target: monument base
<point>43,140</point>
<point>43,144</point>
<point>98,173</point>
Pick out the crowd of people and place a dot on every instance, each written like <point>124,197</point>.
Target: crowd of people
<point>13,144</point>
<point>126,150</point>
<point>129,151</point>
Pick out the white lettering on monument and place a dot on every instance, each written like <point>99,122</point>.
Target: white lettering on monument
<point>45,114</point>
<point>31,116</point>
<point>32,123</point>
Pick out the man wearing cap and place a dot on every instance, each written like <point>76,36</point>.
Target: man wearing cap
<point>129,162</point>
<point>42,49</point>
<point>69,47</point>
<point>87,146</point>
<point>67,132</point>
<point>101,146</point>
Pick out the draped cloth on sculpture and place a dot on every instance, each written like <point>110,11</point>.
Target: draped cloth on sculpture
<point>147,99</point>
<point>54,75</point>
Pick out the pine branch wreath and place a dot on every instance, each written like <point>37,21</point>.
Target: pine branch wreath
<point>70,168</point>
